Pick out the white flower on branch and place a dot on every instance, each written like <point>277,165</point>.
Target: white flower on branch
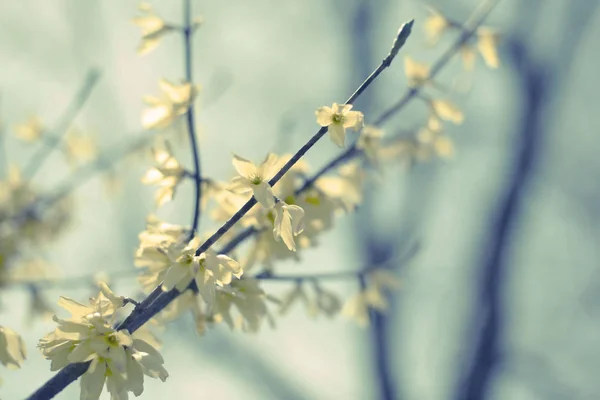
<point>153,28</point>
<point>31,130</point>
<point>288,223</point>
<point>255,179</point>
<point>435,26</point>
<point>416,72</point>
<point>447,110</point>
<point>12,348</point>
<point>246,296</point>
<point>208,270</point>
<point>338,118</point>
<point>346,189</point>
<point>432,141</point>
<point>116,358</point>
<point>167,174</point>
<point>369,142</point>
<point>487,44</point>
<point>323,302</point>
<point>176,101</point>
<point>79,147</point>
<point>170,259</point>
<point>379,281</point>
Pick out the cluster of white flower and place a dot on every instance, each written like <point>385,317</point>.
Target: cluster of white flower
<point>22,228</point>
<point>115,357</point>
<point>211,284</point>
<point>486,39</point>
<point>167,175</point>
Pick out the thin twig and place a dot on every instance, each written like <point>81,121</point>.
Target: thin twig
<point>187,38</point>
<point>100,164</point>
<point>58,133</point>
<point>409,95</point>
<point>471,27</point>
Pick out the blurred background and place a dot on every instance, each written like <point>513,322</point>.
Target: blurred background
<point>500,302</point>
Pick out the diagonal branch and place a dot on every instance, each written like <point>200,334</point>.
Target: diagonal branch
<point>40,156</point>
<point>157,299</point>
<point>479,17</point>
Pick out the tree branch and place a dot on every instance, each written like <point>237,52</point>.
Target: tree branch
<point>537,80</point>
<point>159,299</point>
<point>40,156</point>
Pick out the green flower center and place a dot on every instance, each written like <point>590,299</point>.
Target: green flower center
<point>256,180</point>
<point>271,217</point>
<point>290,200</point>
<point>337,118</point>
<point>185,259</point>
<point>313,200</point>
<point>112,341</point>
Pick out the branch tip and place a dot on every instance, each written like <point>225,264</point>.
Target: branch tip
<point>403,34</point>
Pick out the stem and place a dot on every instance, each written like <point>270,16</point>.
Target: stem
<point>40,156</point>
<point>187,38</point>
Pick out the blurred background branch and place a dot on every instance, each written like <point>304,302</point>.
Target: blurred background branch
<point>539,82</point>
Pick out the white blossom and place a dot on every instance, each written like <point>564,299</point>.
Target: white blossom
<point>255,179</point>
<point>288,223</point>
<point>338,118</point>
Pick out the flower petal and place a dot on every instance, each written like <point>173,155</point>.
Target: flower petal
<point>297,215</point>
<point>173,276</point>
<point>282,228</point>
<point>353,119</point>
<point>244,167</point>
<point>92,383</point>
<point>345,108</point>
<point>337,133</point>
<point>324,115</point>
<point>239,185</point>
<point>264,194</point>
<point>156,117</point>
